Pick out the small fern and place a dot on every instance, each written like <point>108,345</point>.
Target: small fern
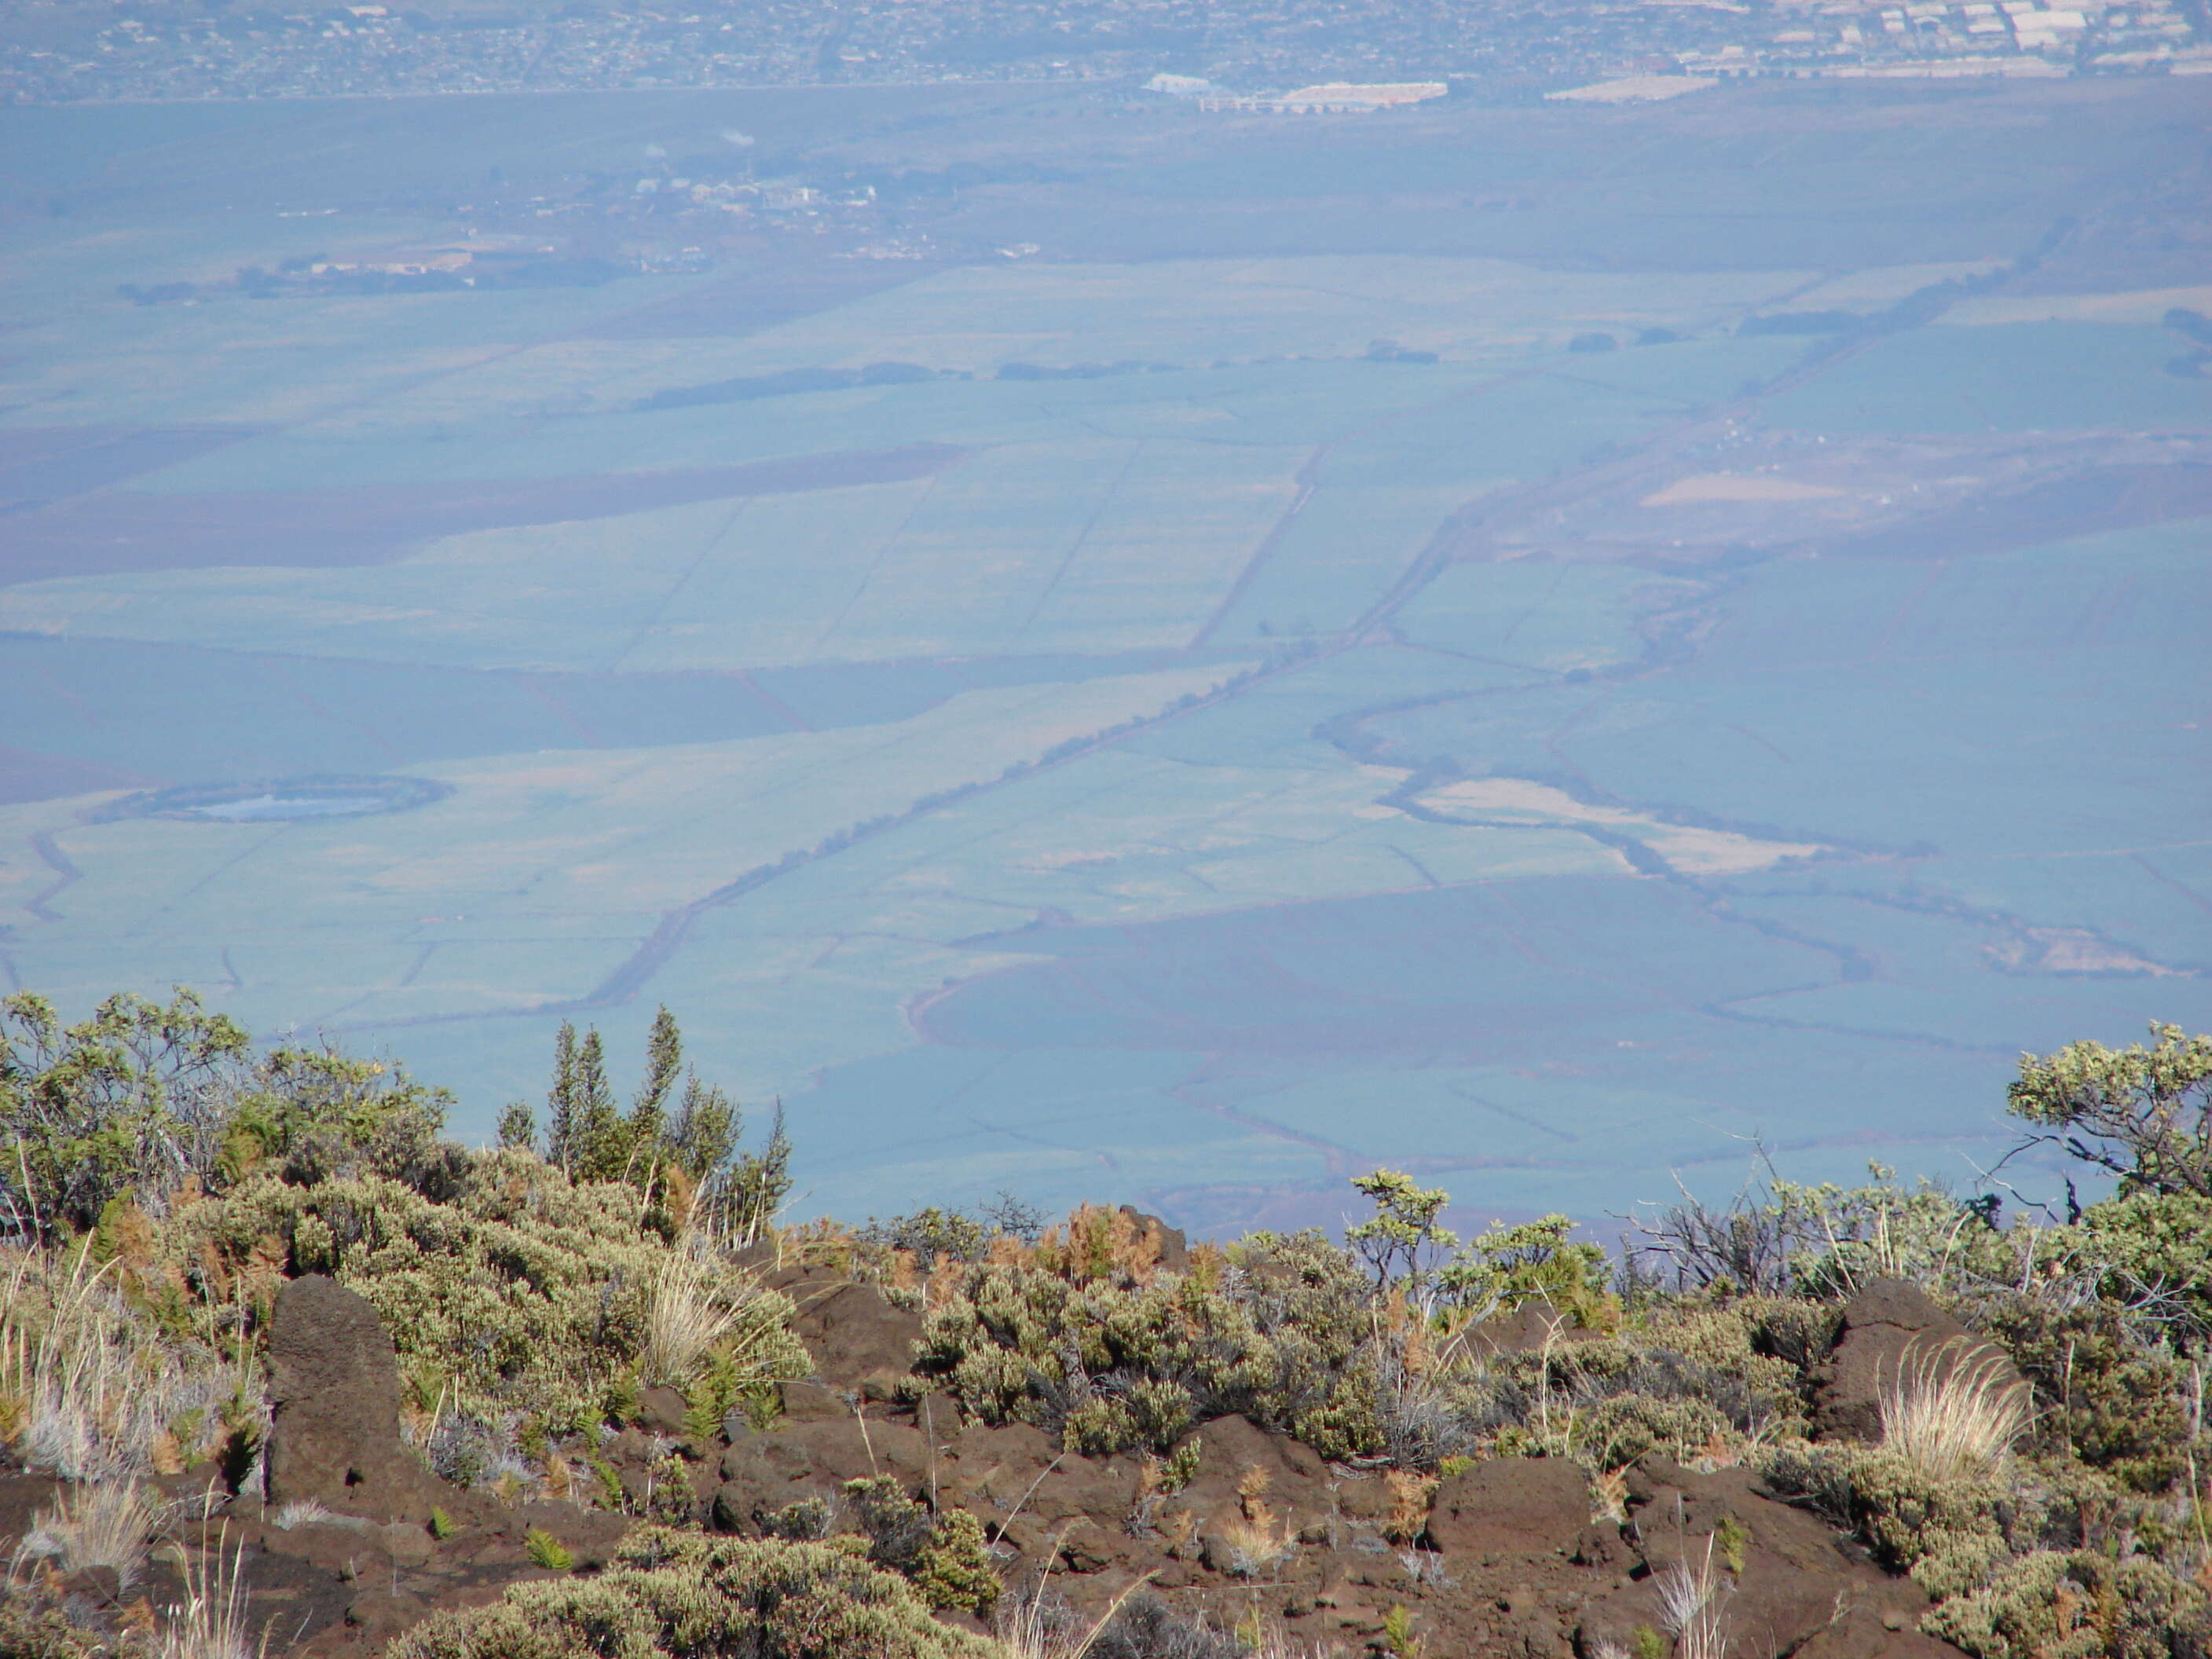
<point>1733,1539</point>
<point>610,1486</point>
<point>549,1551</point>
<point>1398,1637</point>
<point>441,1525</point>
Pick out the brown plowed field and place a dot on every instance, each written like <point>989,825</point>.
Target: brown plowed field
<point>125,530</point>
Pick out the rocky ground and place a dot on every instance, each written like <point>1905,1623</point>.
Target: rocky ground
<point>351,1541</point>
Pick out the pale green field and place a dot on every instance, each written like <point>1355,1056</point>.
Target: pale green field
<point>1093,548</point>
<point>1196,311</point>
<point>582,851</point>
<point>353,366</point>
<point>1141,512</point>
<point>80,355</point>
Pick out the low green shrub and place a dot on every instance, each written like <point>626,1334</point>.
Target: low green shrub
<point>1679,1377</point>
<point>670,1595</point>
<point>515,1283</point>
<point>1084,1335</point>
<point>1912,1519</point>
<point>2076,1605</point>
<point>942,1552</point>
<point>2102,1395</point>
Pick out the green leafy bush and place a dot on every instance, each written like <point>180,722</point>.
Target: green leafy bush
<point>515,1282</point>
<point>1781,1239</point>
<point>2102,1395</point>
<point>1084,1335</point>
<point>1914,1522</point>
<point>2150,1255</point>
<point>670,1595</point>
<point>2076,1605</point>
<point>1504,1266</point>
<point>144,1100</point>
<point>2143,1113</point>
<point>943,1554</point>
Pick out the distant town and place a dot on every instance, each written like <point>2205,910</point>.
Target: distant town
<point>1256,56</point>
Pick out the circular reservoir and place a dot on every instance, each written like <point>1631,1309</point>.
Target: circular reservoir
<point>278,801</point>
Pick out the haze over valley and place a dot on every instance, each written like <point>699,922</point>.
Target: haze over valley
<point>1093,644</point>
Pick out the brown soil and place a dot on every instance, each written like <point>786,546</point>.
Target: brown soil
<point>27,774</point>
<point>43,463</point>
<point>366,524</point>
<point>1517,1558</point>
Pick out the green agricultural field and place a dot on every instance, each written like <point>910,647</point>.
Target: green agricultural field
<point>1262,734</point>
<point>2004,377</point>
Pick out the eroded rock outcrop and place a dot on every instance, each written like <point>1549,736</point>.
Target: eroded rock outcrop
<point>1888,1331</point>
<point>334,1381</point>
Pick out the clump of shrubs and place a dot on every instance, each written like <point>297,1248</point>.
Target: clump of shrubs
<point>1085,1334</point>
<point>669,1595</point>
<point>2044,1483</point>
<point>171,1179</point>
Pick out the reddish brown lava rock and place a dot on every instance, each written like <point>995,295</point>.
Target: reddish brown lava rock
<point>1780,1576</point>
<point>862,1345</point>
<point>1512,1507</point>
<point>1513,1563</point>
<point>1887,1328</point>
<point>335,1382</point>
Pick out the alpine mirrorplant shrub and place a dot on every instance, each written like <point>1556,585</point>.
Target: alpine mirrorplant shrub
<point>2076,1605</point>
<point>517,1283</point>
<point>671,1594</point>
<point>1084,1334</point>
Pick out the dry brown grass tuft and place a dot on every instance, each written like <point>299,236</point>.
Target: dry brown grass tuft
<point>210,1622</point>
<point>1037,1625</point>
<point>687,1319</point>
<point>1954,1409</point>
<point>1690,1595</point>
<point>695,1317</point>
<point>108,1523</point>
<point>87,1391</point>
<point>1410,1495</point>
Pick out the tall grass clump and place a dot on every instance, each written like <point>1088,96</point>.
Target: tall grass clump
<point>1691,1597</point>
<point>91,1388</point>
<point>703,1313</point>
<point>1954,1412</point>
<point>211,1621</point>
<point>1036,1624</point>
<point>108,1523</point>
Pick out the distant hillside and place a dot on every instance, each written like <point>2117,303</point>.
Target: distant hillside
<point>283,1372</point>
